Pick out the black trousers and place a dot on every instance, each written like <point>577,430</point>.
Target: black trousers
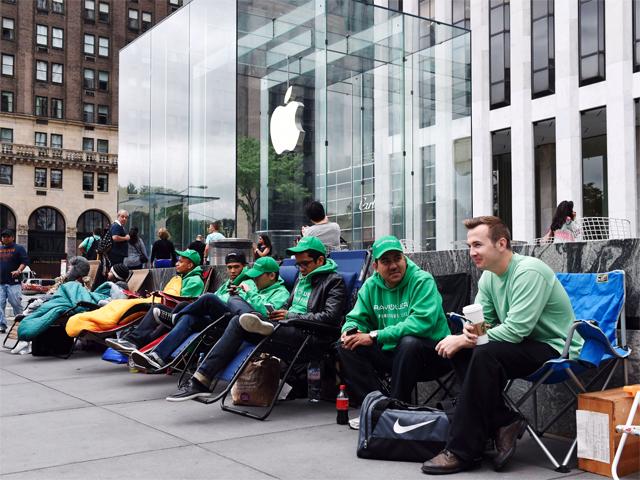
<point>414,359</point>
<point>484,372</point>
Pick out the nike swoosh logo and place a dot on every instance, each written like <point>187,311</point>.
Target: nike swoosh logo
<point>400,429</point>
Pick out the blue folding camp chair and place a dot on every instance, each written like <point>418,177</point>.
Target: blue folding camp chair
<point>288,262</point>
<point>598,302</point>
<point>356,261</point>
<point>289,274</point>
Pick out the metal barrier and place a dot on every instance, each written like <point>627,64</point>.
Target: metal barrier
<point>595,228</point>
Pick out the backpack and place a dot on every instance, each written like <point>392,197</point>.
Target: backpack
<point>394,430</point>
<point>105,243</point>
<point>92,252</point>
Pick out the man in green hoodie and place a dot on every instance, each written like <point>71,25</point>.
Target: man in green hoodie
<point>268,289</point>
<point>529,315</point>
<point>319,295</point>
<point>397,320</point>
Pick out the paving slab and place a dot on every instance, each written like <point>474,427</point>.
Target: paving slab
<point>56,438</point>
<point>24,398</point>
<point>191,462</point>
<point>8,378</point>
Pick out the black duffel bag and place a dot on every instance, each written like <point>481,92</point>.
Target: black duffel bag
<point>394,430</point>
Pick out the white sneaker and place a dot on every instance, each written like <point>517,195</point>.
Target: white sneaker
<point>21,345</point>
<point>26,350</point>
<point>252,323</point>
<point>354,423</point>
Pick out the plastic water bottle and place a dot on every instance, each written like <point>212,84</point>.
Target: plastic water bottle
<point>200,360</point>
<point>314,381</point>
<point>342,406</point>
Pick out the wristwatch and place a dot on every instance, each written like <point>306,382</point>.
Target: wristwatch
<point>373,334</point>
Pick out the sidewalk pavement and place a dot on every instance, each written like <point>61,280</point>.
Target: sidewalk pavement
<point>85,418</point>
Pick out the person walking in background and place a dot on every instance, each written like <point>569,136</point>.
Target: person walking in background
<point>13,260</point>
<point>214,236</point>
<point>328,232</point>
<point>563,226</point>
<point>88,246</point>
<point>137,257</point>
<point>120,249</point>
<point>263,248</point>
<point>163,252</point>
<point>198,245</point>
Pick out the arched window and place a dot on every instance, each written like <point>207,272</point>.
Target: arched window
<point>46,219</point>
<point>7,218</point>
<point>91,219</point>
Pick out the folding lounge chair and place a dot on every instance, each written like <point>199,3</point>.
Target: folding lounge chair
<point>356,261</point>
<point>288,262</point>
<point>598,302</point>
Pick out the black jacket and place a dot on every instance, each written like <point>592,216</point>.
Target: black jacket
<point>327,301</point>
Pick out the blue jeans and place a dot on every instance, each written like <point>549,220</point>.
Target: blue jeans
<point>13,293</point>
<point>195,318</point>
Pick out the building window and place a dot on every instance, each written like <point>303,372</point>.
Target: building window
<point>57,108</point>
<point>103,81</point>
<point>463,184</point>
<point>461,14</point>
<point>7,65</point>
<point>89,44</point>
<point>543,78</point>
<point>6,174</point>
<point>87,181</point>
<point>594,162</point>
<point>42,71</point>
<point>90,10</point>
<point>41,106</point>
<point>6,135</point>
<point>146,21</point>
<point>42,5</point>
<point>428,197</point>
<point>57,37</point>
<point>461,64</point>
<point>56,72</point>
<point>40,139</point>
<point>174,5</point>
<point>544,154</point>
<point>103,182</point>
<point>636,35</point>
<point>56,140</point>
<point>103,46</point>
<point>57,6</point>
<point>55,178</point>
<point>42,33</point>
<point>103,12</point>
<point>89,79</point>
<point>40,178</point>
<point>133,19</point>
<point>87,144</point>
<point>499,53</point>
<point>6,104</point>
<point>591,41</point>
<point>8,29</point>
<point>103,146</point>
<point>103,114</point>
<point>501,174</point>
<point>87,111</point>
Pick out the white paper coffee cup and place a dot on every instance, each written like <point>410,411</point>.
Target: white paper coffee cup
<point>474,314</point>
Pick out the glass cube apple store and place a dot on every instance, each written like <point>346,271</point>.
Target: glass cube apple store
<point>241,111</point>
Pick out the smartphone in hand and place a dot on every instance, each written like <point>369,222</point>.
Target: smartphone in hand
<point>269,307</point>
<point>351,331</point>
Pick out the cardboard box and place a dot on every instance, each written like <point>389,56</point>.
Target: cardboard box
<point>597,416</point>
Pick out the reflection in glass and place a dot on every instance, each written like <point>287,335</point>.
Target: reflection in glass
<point>46,219</point>
<point>501,151</point>
<point>591,41</point>
<point>542,48</point>
<point>428,155</point>
<point>499,53</point>
<point>463,185</point>
<point>544,148</point>
<point>594,162</point>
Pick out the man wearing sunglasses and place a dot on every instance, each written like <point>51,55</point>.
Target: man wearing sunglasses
<point>319,295</point>
<point>394,327</point>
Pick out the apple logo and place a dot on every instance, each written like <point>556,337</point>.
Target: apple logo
<point>286,125</point>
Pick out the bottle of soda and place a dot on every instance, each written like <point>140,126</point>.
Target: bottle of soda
<point>314,381</point>
<point>342,406</point>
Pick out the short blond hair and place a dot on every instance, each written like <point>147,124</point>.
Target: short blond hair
<point>163,233</point>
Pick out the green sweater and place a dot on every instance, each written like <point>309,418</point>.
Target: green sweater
<point>413,307</point>
<point>276,294</point>
<point>192,284</point>
<point>223,290</point>
<point>527,301</point>
<point>303,287</point>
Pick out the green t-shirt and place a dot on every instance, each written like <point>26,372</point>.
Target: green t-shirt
<point>527,301</point>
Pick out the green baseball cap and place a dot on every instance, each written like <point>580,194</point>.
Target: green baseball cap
<point>263,265</point>
<point>385,244</point>
<point>191,255</point>
<point>308,243</point>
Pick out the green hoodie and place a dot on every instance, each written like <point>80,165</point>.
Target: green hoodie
<point>192,284</point>
<point>276,294</point>
<point>413,307</point>
<point>302,289</point>
<point>223,290</point>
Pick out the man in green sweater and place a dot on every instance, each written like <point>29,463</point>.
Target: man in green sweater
<point>394,327</point>
<point>529,315</point>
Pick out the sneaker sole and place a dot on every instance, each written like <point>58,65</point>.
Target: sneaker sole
<point>119,348</point>
<point>189,397</point>
<point>141,361</point>
<point>255,325</point>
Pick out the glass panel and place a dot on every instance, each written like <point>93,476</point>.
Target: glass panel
<point>463,185</point>
<point>544,147</point>
<point>40,178</point>
<point>501,150</point>
<point>56,178</point>
<point>594,162</point>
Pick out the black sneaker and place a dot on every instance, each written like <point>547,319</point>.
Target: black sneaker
<point>120,345</point>
<point>192,389</point>
<point>162,317</point>
<point>146,361</point>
